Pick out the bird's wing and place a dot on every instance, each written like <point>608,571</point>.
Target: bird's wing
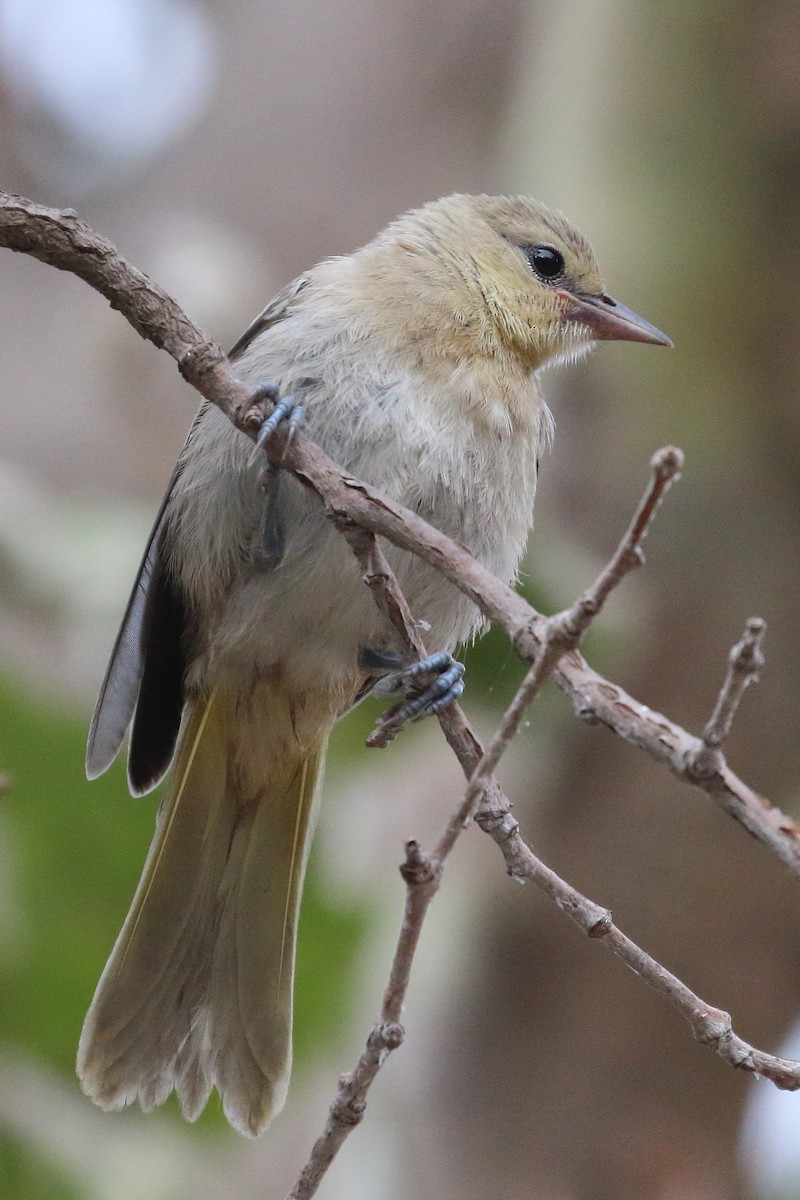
<point>144,679</point>
<point>278,307</point>
<point>148,651</point>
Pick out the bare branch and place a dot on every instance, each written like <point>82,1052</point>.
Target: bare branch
<point>389,598</point>
<point>744,663</point>
<point>422,878</point>
<point>666,466</point>
<point>562,632</point>
<point>710,1026</point>
<point>599,701</point>
<point>548,644</point>
<point>423,874</point>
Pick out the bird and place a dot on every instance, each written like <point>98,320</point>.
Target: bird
<point>415,363</point>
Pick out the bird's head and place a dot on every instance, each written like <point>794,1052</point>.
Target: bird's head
<point>514,273</point>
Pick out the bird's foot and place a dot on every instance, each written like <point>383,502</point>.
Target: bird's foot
<point>286,408</point>
<point>426,688</point>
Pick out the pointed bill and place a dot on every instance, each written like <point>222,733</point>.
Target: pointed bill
<point>609,320</point>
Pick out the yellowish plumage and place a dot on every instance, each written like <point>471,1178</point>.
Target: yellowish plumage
<point>198,990</point>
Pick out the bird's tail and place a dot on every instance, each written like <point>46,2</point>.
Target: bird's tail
<point>198,990</point>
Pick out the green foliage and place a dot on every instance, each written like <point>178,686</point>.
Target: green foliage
<point>73,853</point>
<point>69,847</point>
<point>24,1177</point>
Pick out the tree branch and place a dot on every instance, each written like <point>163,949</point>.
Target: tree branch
<point>492,810</point>
<point>422,878</point>
<point>549,645</point>
<point>62,240</point>
<point>710,1026</point>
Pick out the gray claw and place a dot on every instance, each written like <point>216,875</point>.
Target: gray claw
<point>281,412</point>
<point>296,418</point>
<point>286,409</point>
<point>445,688</point>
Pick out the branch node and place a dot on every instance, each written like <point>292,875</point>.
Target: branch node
<point>564,630</point>
<point>602,926</point>
<point>667,463</point>
<point>418,868</point>
<point>500,826</point>
<point>527,639</point>
<point>392,1034</point>
<point>375,579</point>
<point>704,762</point>
<point>713,1029</point>
<point>200,360</point>
<point>348,1112</point>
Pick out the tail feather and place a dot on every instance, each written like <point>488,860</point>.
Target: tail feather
<point>198,990</point>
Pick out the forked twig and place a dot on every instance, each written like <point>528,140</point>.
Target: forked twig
<point>710,1026</point>
<point>422,873</point>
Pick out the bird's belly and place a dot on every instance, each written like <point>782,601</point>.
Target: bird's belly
<point>308,617</point>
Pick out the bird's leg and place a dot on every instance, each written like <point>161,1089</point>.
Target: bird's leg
<point>426,686</point>
<point>270,546</point>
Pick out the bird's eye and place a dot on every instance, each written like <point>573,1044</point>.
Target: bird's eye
<point>545,261</point>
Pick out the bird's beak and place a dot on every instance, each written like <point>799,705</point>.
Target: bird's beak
<point>609,320</point>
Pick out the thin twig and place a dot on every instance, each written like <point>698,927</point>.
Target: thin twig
<point>381,580</point>
<point>538,673</point>
<point>422,880</point>
<point>666,466</point>
<point>563,631</point>
<point>710,1026</point>
<point>422,875</point>
<point>744,662</point>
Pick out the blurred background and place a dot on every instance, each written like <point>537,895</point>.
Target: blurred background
<point>224,148</point>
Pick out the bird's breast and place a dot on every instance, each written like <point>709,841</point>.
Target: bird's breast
<point>444,447</point>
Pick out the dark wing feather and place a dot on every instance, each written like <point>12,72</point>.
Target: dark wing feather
<point>276,310</point>
<point>158,710</point>
<point>120,688</point>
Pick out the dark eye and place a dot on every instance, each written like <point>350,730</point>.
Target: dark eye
<point>546,262</point>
